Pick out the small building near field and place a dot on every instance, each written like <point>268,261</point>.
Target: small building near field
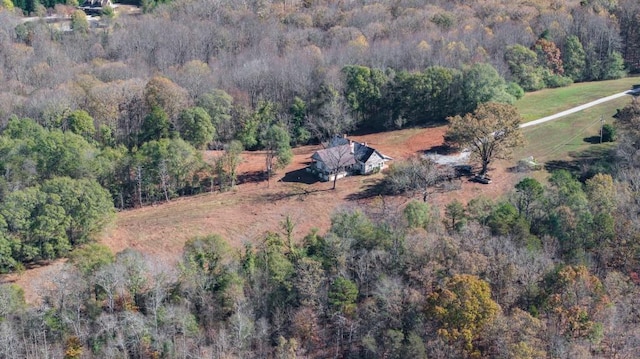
<point>344,157</point>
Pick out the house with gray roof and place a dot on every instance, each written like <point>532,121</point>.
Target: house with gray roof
<point>344,157</point>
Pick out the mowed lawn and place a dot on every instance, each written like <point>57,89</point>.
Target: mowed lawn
<point>566,138</point>
<point>535,105</point>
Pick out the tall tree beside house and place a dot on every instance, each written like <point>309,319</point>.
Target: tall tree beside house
<point>277,149</point>
<point>328,114</point>
<point>337,159</point>
<point>490,132</point>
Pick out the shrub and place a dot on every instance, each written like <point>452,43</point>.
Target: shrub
<point>108,12</point>
<point>608,133</point>
<point>553,81</point>
<point>79,22</point>
<point>418,214</point>
<point>515,90</point>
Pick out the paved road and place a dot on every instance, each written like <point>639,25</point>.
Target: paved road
<point>579,108</point>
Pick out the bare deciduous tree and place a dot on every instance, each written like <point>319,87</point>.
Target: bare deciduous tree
<point>417,174</point>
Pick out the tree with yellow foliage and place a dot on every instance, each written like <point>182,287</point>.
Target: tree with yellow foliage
<point>7,4</point>
<point>463,306</point>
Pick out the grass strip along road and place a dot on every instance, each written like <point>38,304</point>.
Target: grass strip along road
<point>579,108</point>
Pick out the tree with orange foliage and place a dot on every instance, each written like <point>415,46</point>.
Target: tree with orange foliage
<point>549,55</point>
<point>576,300</point>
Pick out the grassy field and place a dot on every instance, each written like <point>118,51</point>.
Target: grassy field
<point>535,105</point>
<point>571,141</point>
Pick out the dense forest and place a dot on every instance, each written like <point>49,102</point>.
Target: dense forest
<point>128,102</point>
<point>114,115</point>
<point>547,271</point>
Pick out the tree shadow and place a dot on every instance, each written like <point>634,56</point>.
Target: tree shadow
<point>594,140</point>
<point>372,188</point>
<point>295,190</point>
<point>300,176</point>
<point>525,168</point>
<point>12,277</point>
<point>373,130</point>
<point>442,149</point>
<point>254,176</point>
<point>556,165</point>
<point>585,164</point>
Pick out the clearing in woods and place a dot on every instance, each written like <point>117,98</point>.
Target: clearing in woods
<point>248,212</point>
<point>253,209</point>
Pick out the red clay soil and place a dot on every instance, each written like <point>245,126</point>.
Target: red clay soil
<point>254,207</point>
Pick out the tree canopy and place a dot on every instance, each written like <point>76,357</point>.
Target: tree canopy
<point>464,307</point>
<point>489,133</point>
<point>277,148</point>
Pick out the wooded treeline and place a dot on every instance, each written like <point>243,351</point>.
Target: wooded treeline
<point>300,56</point>
<point>211,73</point>
<point>547,271</point>
<point>128,105</point>
<point>125,108</point>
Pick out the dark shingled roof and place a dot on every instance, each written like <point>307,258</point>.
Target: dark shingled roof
<point>335,157</point>
<point>363,152</point>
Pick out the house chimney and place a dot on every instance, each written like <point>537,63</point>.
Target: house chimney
<point>344,135</point>
<point>351,146</point>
